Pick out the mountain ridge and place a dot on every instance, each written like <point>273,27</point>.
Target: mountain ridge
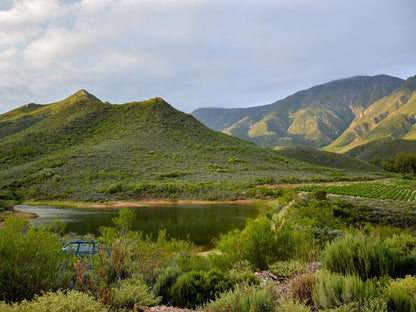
<point>83,149</point>
<point>313,117</point>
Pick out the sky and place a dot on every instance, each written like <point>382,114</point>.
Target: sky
<point>197,53</point>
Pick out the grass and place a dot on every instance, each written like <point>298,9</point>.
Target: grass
<point>81,149</point>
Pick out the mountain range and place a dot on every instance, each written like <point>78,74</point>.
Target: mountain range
<point>337,116</point>
<point>85,149</point>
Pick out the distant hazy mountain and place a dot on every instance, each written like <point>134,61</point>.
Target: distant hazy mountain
<point>315,117</point>
<point>392,117</point>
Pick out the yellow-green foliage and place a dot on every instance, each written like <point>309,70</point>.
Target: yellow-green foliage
<point>29,260</point>
<point>401,294</point>
<point>365,256</point>
<point>332,290</point>
<point>244,298</point>
<point>71,301</point>
<point>132,294</point>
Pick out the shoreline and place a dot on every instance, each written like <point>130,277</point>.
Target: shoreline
<point>19,214</point>
<point>139,203</point>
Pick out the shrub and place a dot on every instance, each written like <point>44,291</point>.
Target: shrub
<point>403,242</point>
<point>71,301</point>
<point>332,289</point>
<point>165,278</point>
<point>365,256</point>
<point>401,294</point>
<point>29,260</point>
<point>262,245</point>
<point>244,298</point>
<point>287,268</point>
<point>240,268</point>
<point>373,305</point>
<point>132,294</point>
<point>195,288</point>
<point>259,241</point>
<point>290,305</point>
<point>189,289</point>
<point>301,287</point>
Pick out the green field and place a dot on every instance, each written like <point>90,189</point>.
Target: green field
<point>393,189</point>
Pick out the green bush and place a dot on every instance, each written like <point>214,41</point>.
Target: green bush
<point>365,256</point>
<point>132,294</point>
<point>189,289</point>
<point>165,278</point>
<point>259,241</point>
<point>244,298</point>
<point>373,305</point>
<point>401,294</point>
<point>290,305</point>
<point>261,244</point>
<point>287,268</point>
<point>30,261</point>
<point>403,242</point>
<point>332,290</point>
<point>195,288</point>
<point>71,301</point>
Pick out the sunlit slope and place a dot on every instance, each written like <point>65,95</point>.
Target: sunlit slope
<point>314,117</point>
<point>392,117</point>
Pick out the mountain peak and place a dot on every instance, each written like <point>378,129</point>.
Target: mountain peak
<point>83,94</point>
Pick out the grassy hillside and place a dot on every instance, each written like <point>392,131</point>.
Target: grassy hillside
<point>81,148</point>
<point>383,148</point>
<point>327,159</point>
<point>393,116</point>
<point>313,117</point>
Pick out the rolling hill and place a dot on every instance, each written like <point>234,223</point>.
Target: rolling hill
<point>315,117</point>
<point>84,149</point>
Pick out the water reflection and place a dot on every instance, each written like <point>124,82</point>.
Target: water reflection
<point>200,222</point>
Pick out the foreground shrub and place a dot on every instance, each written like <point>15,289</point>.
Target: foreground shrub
<point>373,305</point>
<point>195,288</point>
<point>165,278</point>
<point>365,256</point>
<point>301,287</point>
<point>244,298</point>
<point>403,242</point>
<point>290,305</point>
<point>401,294</point>
<point>132,294</point>
<point>261,244</point>
<point>29,260</point>
<point>287,268</point>
<point>71,301</point>
<point>332,290</point>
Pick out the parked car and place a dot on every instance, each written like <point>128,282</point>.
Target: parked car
<point>80,247</point>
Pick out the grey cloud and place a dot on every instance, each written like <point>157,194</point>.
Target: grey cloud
<point>203,53</point>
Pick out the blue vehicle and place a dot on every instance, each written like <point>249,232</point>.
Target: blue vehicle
<point>80,247</point>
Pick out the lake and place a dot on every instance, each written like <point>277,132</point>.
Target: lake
<point>201,222</point>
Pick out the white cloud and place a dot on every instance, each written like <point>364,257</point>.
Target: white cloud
<point>197,53</point>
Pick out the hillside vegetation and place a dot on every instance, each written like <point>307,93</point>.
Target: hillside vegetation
<point>315,117</point>
<point>392,117</point>
<point>85,149</point>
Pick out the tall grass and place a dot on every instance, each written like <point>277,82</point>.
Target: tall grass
<point>332,290</point>
<point>364,256</point>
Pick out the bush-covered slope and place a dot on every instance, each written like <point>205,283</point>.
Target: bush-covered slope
<point>313,117</point>
<point>393,116</point>
<point>327,159</point>
<point>82,148</point>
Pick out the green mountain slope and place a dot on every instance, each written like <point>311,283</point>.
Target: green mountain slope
<point>383,148</point>
<point>327,159</point>
<point>393,116</point>
<point>314,117</point>
<point>84,149</point>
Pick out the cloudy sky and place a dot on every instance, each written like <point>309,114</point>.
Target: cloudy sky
<point>197,53</point>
